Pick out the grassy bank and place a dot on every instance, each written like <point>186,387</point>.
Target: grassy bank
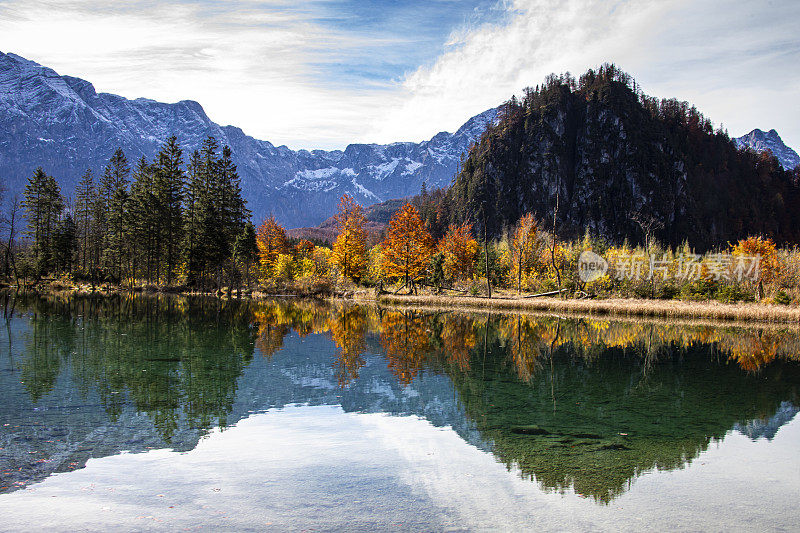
<point>711,310</point>
<point>620,307</point>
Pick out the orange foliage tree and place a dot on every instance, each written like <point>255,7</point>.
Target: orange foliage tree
<point>524,248</point>
<point>304,249</point>
<point>765,250</point>
<point>271,242</point>
<point>408,247</point>
<point>350,247</point>
<point>460,251</point>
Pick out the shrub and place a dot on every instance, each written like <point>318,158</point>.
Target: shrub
<point>782,297</point>
<point>668,291</point>
<point>733,293</point>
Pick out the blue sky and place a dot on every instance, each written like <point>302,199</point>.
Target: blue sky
<point>324,73</point>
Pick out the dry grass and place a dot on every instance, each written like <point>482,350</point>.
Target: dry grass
<point>620,307</point>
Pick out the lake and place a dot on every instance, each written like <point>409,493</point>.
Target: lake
<point>172,413</point>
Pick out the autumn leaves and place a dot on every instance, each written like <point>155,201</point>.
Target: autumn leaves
<point>404,254</point>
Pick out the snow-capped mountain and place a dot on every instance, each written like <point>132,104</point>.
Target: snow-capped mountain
<point>761,141</point>
<point>62,124</point>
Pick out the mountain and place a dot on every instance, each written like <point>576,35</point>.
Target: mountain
<point>761,142</point>
<point>64,125</point>
<point>376,215</point>
<point>622,165</point>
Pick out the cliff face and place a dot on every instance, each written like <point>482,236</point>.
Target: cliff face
<point>64,125</point>
<point>613,161</point>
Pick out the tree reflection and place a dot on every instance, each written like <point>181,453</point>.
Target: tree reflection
<point>171,358</point>
<point>583,404</point>
<point>459,336</point>
<point>348,329</point>
<point>405,337</point>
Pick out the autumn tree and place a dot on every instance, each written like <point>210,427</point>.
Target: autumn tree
<point>524,248</point>
<point>304,248</point>
<point>271,242</point>
<point>408,247</point>
<point>459,250</point>
<point>765,253</point>
<point>350,247</point>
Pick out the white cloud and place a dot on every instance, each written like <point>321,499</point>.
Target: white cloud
<point>736,61</point>
<point>247,67</point>
<point>271,67</point>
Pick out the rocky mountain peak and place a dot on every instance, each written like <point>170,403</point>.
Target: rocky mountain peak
<point>761,141</point>
<point>62,124</point>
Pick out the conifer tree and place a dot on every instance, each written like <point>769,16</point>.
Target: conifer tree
<point>43,206</point>
<point>168,186</point>
<point>142,222</point>
<point>193,230</point>
<point>85,199</point>
<point>245,252</point>
<point>65,244</point>
<point>114,187</point>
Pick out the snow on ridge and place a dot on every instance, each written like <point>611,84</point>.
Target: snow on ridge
<point>761,141</point>
<point>364,191</point>
<point>412,167</point>
<point>53,108</point>
<point>385,169</point>
<point>313,175</point>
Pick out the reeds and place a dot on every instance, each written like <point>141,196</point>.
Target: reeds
<point>618,306</point>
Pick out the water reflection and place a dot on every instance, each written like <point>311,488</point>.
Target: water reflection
<point>583,405</point>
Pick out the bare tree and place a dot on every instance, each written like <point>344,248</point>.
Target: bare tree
<point>648,224</point>
<point>12,221</point>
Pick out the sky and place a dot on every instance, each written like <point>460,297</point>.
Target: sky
<point>326,73</point>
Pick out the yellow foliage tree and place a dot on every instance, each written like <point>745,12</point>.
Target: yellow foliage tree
<point>322,260</point>
<point>408,247</point>
<point>525,248</point>
<point>271,242</point>
<point>350,247</point>
<point>285,267</point>
<point>460,250</point>
<point>375,262</point>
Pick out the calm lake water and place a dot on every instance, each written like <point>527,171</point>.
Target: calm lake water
<point>132,413</point>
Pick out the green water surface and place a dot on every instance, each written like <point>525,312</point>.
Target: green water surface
<point>144,412</point>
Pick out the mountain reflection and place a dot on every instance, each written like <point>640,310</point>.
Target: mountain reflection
<point>583,405</point>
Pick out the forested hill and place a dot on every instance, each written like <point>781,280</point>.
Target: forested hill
<point>618,162</point>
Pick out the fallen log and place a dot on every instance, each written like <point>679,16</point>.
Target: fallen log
<point>551,293</point>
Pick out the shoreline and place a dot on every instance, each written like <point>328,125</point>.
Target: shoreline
<point>630,308</point>
<point>608,308</point>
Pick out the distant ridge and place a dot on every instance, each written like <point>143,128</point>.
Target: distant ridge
<point>63,124</point>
